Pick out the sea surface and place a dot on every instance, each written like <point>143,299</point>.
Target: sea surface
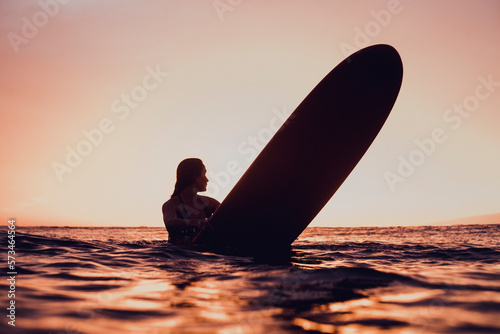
<point>427,279</point>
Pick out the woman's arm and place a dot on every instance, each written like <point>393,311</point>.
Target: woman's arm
<point>211,203</point>
<point>170,218</point>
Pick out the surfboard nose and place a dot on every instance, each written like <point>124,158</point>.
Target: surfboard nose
<point>387,68</point>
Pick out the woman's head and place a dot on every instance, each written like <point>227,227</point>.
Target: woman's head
<point>190,173</point>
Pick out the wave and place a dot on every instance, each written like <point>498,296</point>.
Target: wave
<point>134,278</point>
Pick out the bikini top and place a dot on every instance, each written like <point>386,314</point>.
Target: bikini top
<point>185,234</point>
<point>183,213</point>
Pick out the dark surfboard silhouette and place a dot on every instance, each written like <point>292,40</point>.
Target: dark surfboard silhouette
<point>310,156</point>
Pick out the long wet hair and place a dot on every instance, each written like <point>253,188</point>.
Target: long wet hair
<point>187,172</point>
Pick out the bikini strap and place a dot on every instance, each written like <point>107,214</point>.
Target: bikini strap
<point>184,212</point>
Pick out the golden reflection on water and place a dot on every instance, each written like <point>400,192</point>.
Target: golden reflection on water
<point>348,306</point>
<point>409,297</point>
<point>213,315</point>
<point>381,306</point>
<point>314,326</point>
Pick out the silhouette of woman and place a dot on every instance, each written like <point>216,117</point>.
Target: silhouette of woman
<point>186,212</point>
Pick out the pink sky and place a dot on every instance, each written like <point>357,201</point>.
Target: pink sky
<point>223,74</point>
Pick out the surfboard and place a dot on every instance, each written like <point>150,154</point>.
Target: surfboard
<point>310,156</point>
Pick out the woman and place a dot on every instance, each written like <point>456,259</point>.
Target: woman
<point>186,212</point>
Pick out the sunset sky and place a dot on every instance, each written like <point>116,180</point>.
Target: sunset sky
<point>137,86</point>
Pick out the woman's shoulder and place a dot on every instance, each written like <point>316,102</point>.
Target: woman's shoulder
<point>171,203</point>
<point>209,201</point>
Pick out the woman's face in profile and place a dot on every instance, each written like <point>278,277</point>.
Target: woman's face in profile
<point>202,181</point>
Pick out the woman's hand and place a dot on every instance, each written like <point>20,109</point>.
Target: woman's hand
<point>201,223</point>
<point>205,223</point>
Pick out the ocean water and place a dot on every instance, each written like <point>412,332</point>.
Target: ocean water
<point>338,280</point>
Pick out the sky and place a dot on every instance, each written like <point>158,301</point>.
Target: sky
<point>100,100</point>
